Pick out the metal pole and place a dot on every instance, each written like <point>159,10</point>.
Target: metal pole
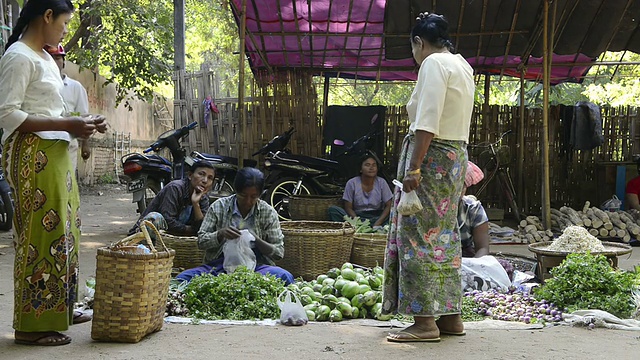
<point>546,196</point>
<point>241,117</point>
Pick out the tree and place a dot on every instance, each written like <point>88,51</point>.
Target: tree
<point>130,42</point>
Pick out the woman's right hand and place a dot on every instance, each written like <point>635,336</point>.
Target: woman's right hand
<point>411,182</point>
<point>229,233</point>
<point>80,127</point>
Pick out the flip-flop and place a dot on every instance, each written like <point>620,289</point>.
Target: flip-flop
<point>47,339</point>
<point>80,317</point>
<point>411,338</point>
<point>445,332</point>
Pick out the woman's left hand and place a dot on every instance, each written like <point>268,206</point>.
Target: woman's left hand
<point>411,182</point>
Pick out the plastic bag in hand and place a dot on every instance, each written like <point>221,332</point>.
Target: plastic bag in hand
<point>237,252</point>
<point>409,202</point>
<point>291,313</point>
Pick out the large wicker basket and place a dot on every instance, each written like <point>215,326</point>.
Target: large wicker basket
<point>131,289</point>
<point>312,248</point>
<point>312,207</point>
<point>368,249</point>
<point>187,253</point>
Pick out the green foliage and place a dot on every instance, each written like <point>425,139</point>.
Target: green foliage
<point>365,93</point>
<point>243,295</point>
<point>107,178</point>
<point>130,42</point>
<point>468,312</point>
<point>585,281</point>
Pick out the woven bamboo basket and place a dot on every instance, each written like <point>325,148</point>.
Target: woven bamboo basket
<point>131,289</point>
<point>368,249</point>
<point>312,207</point>
<point>313,247</point>
<point>187,253</point>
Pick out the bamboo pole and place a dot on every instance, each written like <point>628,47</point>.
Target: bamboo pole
<point>241,119</point>
<point>521,142</point>
<point>546,198</point>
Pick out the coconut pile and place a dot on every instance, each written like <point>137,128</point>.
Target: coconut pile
<point>576,239</point>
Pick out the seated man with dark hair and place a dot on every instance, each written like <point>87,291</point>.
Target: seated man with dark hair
<point>181,205</point>
<point>228,216</point>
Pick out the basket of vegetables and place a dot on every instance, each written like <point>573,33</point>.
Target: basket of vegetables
<point>312,207</point>
<point>313,247</point>
<point>368,244</point>
<point>574,239</point>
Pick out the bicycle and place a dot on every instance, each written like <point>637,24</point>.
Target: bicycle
<point>496,167</point>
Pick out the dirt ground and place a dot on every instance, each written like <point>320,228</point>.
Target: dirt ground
<point>108,213</point>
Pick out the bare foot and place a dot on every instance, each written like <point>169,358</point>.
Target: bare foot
<point>416,333</point>
<point>451,325</point>
<point>45,338</point>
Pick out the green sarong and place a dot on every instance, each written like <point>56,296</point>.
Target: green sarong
<point>46,232</point>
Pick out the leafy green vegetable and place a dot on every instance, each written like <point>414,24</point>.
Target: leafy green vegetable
<point>243,295</point>
<point>468,312</point>
<point>585,281</point>
<point>364,227</point>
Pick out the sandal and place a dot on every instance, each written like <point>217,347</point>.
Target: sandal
<point>49,338</point>
<point>80,317</point>
<point>406,336</point>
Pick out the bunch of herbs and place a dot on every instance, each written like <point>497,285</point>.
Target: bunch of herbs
<point>585,281</point>
<point>242,295</point>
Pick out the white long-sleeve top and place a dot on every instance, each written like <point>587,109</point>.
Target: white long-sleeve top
<point>442,101</point>
<point>30,84</point>
<point>75,96</point>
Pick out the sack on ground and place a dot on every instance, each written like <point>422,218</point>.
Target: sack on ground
<point>238,253</point>
<point>484,273</point>
<point>291,313</point>
<point>409,202</point>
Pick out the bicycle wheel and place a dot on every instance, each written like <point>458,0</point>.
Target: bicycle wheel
<point>509,193</point>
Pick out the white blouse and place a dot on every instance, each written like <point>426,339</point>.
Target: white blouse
<point>29,85</point>
<point>442,101</point>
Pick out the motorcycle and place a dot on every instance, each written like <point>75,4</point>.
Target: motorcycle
<point>291,174</point>
<point>148,174</point>
<point>6,202</point>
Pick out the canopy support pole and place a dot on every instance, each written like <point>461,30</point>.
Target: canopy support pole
<point>521,144</point>
<point>241,117</point>
<point>547,45</point>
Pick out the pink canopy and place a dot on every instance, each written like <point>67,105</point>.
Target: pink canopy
<point>347,38</point>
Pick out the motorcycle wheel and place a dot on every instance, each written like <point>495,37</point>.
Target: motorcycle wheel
<point>152,189</point>
<point>278,196</point>
<point>225,190</point>
<point>6,212</point>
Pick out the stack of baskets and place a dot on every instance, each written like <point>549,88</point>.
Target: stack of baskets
<point>368,249</point>
<point>131,288</point>
<point>313,247</point>
<point>187,253</point>
<point>312,207</point>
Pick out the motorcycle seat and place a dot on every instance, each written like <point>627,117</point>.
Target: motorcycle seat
<point>151,158</point>
<point>214,159</point>
<point>315,162</point>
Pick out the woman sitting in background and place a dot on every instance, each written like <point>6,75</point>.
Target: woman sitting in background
<point>228,216</point>
<point>180,206</point>
<point>367,196</point>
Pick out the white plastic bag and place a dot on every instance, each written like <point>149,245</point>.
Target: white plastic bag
<point>238,253</point>
<point>483,273</point>
<point>409,202</point>
<point>291,313</point>
<point>612,204</point>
